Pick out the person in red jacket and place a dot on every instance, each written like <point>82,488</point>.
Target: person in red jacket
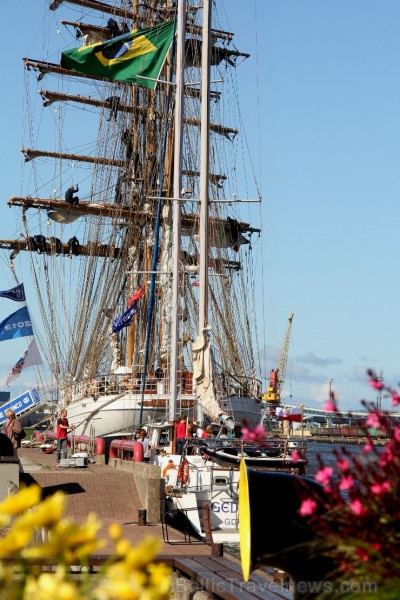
<point>181,434</point>
<point>61,434</point>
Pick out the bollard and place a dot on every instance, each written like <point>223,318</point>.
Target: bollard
<point>100,446</point>
<point>142,516</point>
<point>138,452</point>
<point>217,549</point>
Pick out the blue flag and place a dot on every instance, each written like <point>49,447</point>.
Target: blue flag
<point>125,319</point>
<point>16,293</point>
<point>16,325</point>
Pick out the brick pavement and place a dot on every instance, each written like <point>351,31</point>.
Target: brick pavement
<point>108,492</point>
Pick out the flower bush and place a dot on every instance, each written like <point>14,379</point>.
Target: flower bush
<point>361,522</point>
<point>129,574</point>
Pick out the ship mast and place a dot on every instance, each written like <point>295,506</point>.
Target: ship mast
<point>176,214</point>
<point>204,166</point>
<point>204,177</point>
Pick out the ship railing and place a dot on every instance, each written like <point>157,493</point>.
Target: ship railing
<point>94,446</point>
<point>156,383</point>
<point>269,446</point>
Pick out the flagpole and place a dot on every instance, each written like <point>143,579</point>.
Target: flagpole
<point>302,421</point>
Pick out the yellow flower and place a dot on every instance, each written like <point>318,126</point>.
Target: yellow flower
<point>128,576</point>
<point>122,547</point>
<point>51,585</point>
<point>25,499</point>
<point>117,589</point>
<point>14,541</point>
<point>143,554</point>
<point>53,548</point>
<point>46,514</point>
<point>160,577</point>
<point>115,531</point>
<point>78,533</point>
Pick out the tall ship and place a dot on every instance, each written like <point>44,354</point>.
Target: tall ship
<point>138,236</point>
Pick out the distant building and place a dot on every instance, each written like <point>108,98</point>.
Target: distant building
<point>4,397</point>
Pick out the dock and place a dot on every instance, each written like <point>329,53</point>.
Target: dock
<point>111,493</point>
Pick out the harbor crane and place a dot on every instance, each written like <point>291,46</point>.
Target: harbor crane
<point>277,376</point>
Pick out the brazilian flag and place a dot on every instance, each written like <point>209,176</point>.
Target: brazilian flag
<point>126,57</point>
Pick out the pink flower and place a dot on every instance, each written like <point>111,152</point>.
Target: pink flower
<point>254,435</point>
<point>346,482</point>
<point>343,464</point>
<point>331,406</point>
<point>357,507</point>
<point>308,507</point>
<point>362,554</point>
<point>324,475</point>
<point>380,488</point>
<point>373,420</point>
<point>396,434</point>
<point>368,447</point>
<point>395,398</point>
<point>295,456</point>
<point>387,455</point>
<point>376,384</point>
<point>376,546</point>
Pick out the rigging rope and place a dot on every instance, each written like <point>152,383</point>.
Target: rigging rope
<point>157,230</point>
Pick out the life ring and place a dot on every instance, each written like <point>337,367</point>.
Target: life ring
<point>183,472</point>
<point>128,383</point>
<point>169,466</point>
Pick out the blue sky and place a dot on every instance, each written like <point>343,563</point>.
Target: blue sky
<point>321,103</point>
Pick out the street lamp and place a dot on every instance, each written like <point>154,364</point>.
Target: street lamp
<point>330,381</point>
<point>379,396</point>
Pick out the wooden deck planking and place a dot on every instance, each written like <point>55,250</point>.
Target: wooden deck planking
<point>220,576</point>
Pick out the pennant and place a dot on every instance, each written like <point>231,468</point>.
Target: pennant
<point>135,297</point>
<point>16,325</point>
<point>294,414</point>
<point>131,57</point>
<point>126,318</point>
<point>30,358</point>
<point>16,293</point>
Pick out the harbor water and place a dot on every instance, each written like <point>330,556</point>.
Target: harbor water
<point>315,450</point>
<point>326,454</point>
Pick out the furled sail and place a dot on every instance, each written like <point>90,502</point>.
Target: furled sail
<point>203,374</point>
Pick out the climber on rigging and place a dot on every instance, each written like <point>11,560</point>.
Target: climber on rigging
<point>69,195</point>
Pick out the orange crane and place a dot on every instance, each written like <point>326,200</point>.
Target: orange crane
<point>277,376</point>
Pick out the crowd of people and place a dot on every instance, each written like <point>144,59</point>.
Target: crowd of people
<point>184,431</point>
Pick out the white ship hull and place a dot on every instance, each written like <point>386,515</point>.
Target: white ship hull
<point>209,484</point>
<point>115,414</point>
<point>120,413</point>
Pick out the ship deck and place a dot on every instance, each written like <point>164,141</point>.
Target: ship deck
<point>113,496</point>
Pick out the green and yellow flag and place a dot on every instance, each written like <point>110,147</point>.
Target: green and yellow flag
<point>126,57</point>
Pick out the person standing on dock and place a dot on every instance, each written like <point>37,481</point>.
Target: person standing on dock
<point>13,430</point>
<point>144,440</point>
<point>61,435</point>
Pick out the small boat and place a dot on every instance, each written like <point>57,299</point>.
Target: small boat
<point>276,455</point>
<point>205,479</point>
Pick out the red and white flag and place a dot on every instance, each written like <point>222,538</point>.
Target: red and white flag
<point>290,414</point>
<point>136,296</point>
